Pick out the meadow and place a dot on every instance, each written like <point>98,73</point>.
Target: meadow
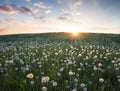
<point>60,62</point>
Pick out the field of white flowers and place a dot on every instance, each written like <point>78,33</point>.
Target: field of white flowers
<point>60,62</point>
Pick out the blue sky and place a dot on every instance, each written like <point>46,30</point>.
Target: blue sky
<point>37,16</point>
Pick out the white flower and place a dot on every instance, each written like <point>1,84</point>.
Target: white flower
<point>95,68</point>
<point>61,69</point>
<point>45,79</point>
<point>82,85</point>
<point>54,84</point>
<point>71,73</point>
<point>56,53</point>
<point>75,80</point>
<point>117,68</point>
<point>77,75</point>
<point>113,61</point>
<point>118,80</point>
<point>59,74</point>
<point>101,80</point>
<point>78,69</point>
<point>84,89</point>
<point>30,75</point>
<point>44,88</point>
<point>118,64</point>
<point>118,76</point>
<point>70,62</point>
<point>99,64</point>
<point>32,82</point>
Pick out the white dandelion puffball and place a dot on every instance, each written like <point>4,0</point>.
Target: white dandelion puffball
<point>99,64</point>
<point>44,88</point>
<point>54,84</point>
<point>45,79</point>
<point>84,89</point>
<point>101,80</point>
<point>32,82</point>
<point>30,75</point>
<point>82,85</point>
<point>71,73</point>
<point>95,68</point>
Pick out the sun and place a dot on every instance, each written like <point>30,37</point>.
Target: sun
<point>75,33</point>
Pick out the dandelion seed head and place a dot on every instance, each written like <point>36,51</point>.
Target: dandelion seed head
<point>30,75</point>
<point>54,84</point>
<point>101,80</point>
<point>44,88</point>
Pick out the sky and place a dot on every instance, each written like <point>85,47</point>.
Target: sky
<point>39,16</point>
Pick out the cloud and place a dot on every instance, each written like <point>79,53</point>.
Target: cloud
<point>42,17</point>
<point>47,11</point>
<point>7,9</point>
<point>2,29</point>
<point>63,18</point>
<point>42,8</point>
<point>69,13</point>
<point>14,9</point>
<point>71,4</point>
<point>40,5</point>
<point>61,1</point>
<point>26,10</point>
<point>27,0</point>
<point>1,20</point>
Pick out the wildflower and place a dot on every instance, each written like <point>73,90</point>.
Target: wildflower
<point>82,85</point>
<point>56,53</point>
<point>118,80</point>
<point>70,62</point>
<point>61,70</point>
<point>118,64</point>
<point>32,82</point>
<point>54,84</point>
<point>95,68</point>
<point>118,76</point>
<point>71,73</point>
<point>117,68</point>
<point>59,74</point>
<point>101,80</point>
<point>75,80</point>
<point>77,75</point>
<point>84,89</point>
<point>113,61</point>
<point>30,75</point>
<point>79,69</point>
<point>115,65</point>
<point>16,68</point>
<point>44,88</point>
<point>45,79</point>
<point>99,64</point>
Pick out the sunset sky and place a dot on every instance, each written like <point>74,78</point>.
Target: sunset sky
<point>38,16</point>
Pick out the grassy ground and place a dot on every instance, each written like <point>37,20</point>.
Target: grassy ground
<point>60,62</point>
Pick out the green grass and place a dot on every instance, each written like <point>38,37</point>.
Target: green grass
<point>55,55</point>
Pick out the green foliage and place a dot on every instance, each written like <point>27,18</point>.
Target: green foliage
<point>94,60</point>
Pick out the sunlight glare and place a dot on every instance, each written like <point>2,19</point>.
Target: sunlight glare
<point>75,33</point>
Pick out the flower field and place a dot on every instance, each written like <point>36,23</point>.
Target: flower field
<point>60,62</point>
